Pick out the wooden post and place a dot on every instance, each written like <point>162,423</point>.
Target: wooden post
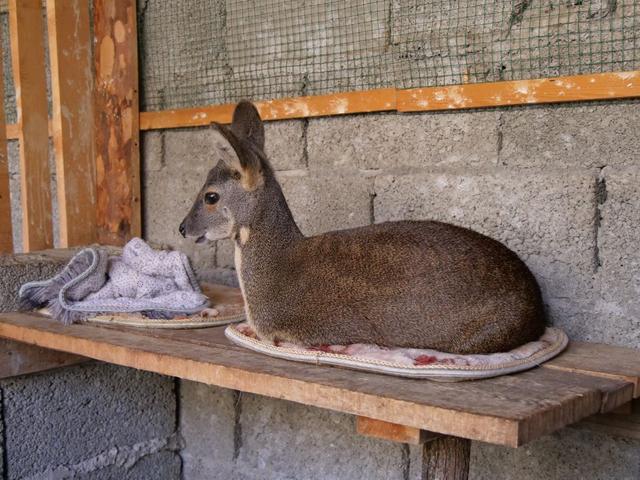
<point>72,100</point>
<point>446,458</point>
<point>116,124</point>
<point>27,53</point>
<point>6,232</point>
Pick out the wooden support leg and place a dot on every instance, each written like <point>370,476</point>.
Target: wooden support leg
<point>446,458</point>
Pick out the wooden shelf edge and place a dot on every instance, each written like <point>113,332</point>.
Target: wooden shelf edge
<point>187,365</point>
<point>226,366</point>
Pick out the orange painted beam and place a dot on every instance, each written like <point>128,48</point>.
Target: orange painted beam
<point>600,86</point>
<point>280,109</point>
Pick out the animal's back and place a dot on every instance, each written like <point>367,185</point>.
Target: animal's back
<point>411,284</point>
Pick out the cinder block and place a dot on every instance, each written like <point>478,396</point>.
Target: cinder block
<point>428,140</point>
<point>208,417</point>
<point>16,270</point>
<point>282,439</point>
<point>284,144</point>
<point>327,200</point>
<point>568,453</point>
<point>571,135</point>
<point>2,437</point>
<point>618,305</point>
<point>547,218</point>
<point>152,150</point>
<point>66,416</point>
<point>164,465</point>
<point>170,191</point>
<point>320,202</point>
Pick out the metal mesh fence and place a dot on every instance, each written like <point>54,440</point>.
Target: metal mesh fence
<point>198,52</point>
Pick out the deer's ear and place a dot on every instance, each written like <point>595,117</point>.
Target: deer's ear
<point>237,158</point>
<point>247,124</point>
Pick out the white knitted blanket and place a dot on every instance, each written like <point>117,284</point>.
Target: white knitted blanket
<point>160,284</point>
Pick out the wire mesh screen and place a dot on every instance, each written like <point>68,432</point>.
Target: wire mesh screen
<point>198,52</point>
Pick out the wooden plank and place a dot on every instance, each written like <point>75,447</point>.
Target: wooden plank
<point>378,100</point>
<point>598,86</point>
<point>117,154</point>
<point>12,131</point>
<point>22,359</point>
<point>370,427</point>
<point>72,100</point>
<point>6,230</point>
<point>28,57</point>
<point>509,410</point>
<point>600,359</point>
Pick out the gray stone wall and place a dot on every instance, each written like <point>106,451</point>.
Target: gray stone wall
<point>557,184</point>
<point>90,421</point>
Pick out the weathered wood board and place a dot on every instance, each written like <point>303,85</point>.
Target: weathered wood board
<point>600,359</point>
<point>72,117</point>
<point>509,410</point>
<point>28,58</point>
<point>116,122</point>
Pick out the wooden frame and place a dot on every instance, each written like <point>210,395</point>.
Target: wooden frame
<point>28,56</point>
<point>591,87</point>
<point>72,99</point>
<point>601,86</point>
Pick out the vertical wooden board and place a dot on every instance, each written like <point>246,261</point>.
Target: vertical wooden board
<point>6,231</point>
<point>116,124</point>
<point>72,114</point>
<point>27,53</point>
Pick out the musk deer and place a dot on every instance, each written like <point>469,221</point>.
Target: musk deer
<point>418,284</point>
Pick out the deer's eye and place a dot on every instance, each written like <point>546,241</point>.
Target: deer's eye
<point>211,197</point>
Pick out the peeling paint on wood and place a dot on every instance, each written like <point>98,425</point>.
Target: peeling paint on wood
<point>116,121</point>
<point>28,57</point>
<point>280,109</point>
<point>601,86</point>
<point>72,101</point>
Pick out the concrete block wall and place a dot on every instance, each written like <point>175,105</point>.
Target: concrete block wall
<point>557,184</point>
<point>90,421</point>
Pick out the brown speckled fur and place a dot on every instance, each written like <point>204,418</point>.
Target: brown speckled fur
<point>414,284</point>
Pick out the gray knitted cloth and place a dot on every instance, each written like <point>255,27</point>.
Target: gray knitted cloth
<point>159,284</point>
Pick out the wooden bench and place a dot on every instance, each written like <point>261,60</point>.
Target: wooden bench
<point>586,380</point>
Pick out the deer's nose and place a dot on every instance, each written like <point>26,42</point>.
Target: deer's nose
<point>182,230</point>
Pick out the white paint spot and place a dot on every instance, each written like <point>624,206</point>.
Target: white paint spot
<point>341,106</point>
<point>627,75</point>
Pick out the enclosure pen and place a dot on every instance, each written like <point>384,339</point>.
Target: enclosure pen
<point>84,80</point>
